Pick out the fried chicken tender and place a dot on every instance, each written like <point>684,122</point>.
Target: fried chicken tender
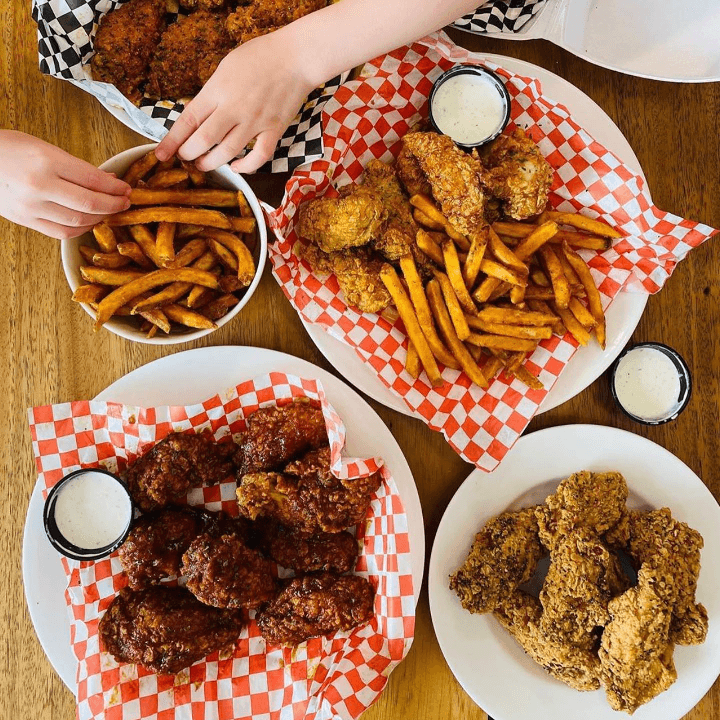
<point>411,174</point>
<point>518,174</point>
<point>188,54</point>
<point>636,654</point>
<point>307,496</point>
<point>316,605</point>
<point>177,463</point>
<point>504,555</point>
<point>668,552</point>
<point>262,16</point>
<point>203,4</point>
<point>582,579</point>
<point>277,434</point>
<point>224,572</point>
<point>165,629</point>
<point>584,500</point>
<point>154,548</point>
<point>124,44</point>
<point>351,220</point>
<point>520,613</point>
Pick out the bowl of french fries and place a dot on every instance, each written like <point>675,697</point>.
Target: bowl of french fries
<point>182,261</point>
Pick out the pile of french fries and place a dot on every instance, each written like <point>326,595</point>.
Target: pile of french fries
<point>179,256</point>
<point>496,295</point>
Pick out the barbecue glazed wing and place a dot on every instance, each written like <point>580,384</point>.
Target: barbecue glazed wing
<point>124,44</point>
<point>316,605</point>
<point>307,496</point>
<point>165,629</point>
<point>173,466</point>
<point>277,434</point>
<point>518,174</point>
<point>262,16</point>
<point>519,613</point>
<point>351,220</point>
<point>188,54</point>
<point>504,555</point>
<point>224,572</point>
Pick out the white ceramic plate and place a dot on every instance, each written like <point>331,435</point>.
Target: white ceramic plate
<point>487,662</point>
<point>672,40</point>
<point>623,315</point>
<point>186,378</point>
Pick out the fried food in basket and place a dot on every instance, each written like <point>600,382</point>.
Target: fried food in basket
<point>589,626</point>
<point>165,629</point>
<point>262,16</point>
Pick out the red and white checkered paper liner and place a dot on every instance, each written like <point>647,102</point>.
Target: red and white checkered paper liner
<point>323,679</point>
<point>366,119</point>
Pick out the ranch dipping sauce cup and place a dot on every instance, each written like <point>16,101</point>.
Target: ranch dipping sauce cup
<point>651,383</point>
<point>469,104</point>
<point>88,514</point>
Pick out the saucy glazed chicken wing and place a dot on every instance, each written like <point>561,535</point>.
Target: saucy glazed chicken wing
<point>165,629</point>
<point>316,605</point>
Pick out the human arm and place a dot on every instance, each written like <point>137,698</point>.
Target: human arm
<point>259,87</point>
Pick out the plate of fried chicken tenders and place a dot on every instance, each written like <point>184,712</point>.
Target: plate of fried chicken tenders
<point>265,569</point>
<point>588,578</point>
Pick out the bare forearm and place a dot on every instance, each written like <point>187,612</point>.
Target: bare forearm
<point>350,32</point>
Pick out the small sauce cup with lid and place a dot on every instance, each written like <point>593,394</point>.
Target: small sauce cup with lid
<point>651,383</point>
<point>88,514</point>
<point>470,104</point>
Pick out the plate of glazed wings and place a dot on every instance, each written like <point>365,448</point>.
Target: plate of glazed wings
<point>588,575</point>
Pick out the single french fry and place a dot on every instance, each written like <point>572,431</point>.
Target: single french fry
<point>568,269</point>
<point>525,376</point>
<point>582,222</point>
<point>429,247</point>
<point>133,251</point>
<point>593,294</point>
<point>199,296</point>
<point>453,305</point>
<point>493,365</point>
<point>189,318</point>
<point>165,213</point>
<point>486,288</point>
<point>535,292</point>
<point>535,240</point>
<point>513,316</point>
<point>110,260</point>
<point>103,276</point>
<point>560,285</point>
<point>422,310</point>
<point>87,253</point>
<point>220,306</point>
<point>514,360</point>
<point>530,332</point>
<point>229,283</point>
<point>502,289</point>
<point>244,205</point>
<point>197,177</point>
<point>212,197</point>
<point>193,250</point>
<point>422,219</point>
<point>140,168</point>
<point>539,278</point>
<point>223,255</point>
<point>245,265</point>
<point>573,326</point>
<point>158,318</point>
<point>582,314</point>
<point>513,229</point>
<point>519,230</point>
<point>142,235</point>
<point>541,306</point>
<point>165,243</point>
<point>152,332</point>
<point>501,272</point>
<point>505,255</point>
<point>412,362</point>
<point>185,231</point>
<point>241,224</point>
<point>105,237</point>
<point>517,294</point>
<point>427,206</point>
<point>167,178</point>
<point>454,273</point>
<point>90,293</point>
<point>502,342</point>
<point>442,318</point>
<point>476,253</point>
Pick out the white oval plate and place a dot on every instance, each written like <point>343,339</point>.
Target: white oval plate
<point>623,315</point>
<point>182,379</point>
<point>487,662</point>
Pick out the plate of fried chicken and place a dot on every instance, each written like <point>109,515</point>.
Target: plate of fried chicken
<point>588,580</point>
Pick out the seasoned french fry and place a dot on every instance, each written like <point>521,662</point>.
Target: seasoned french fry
<point>540,306</point>
<point>486,288</point>
<point>442,318</point>
<point>505,255</point>
<point>90,293</point>
<point>184,316</point>
<point>213,197</point>
<point>453,305</point>
<point>518,230</point>
<point>535,240</point>
<point>240,224</point>
<point>493,365</point>
<point>517,294</point>
<point>500,272</point>
<point>582,222</point>
<point>110,260</point>
<point>581,313</point>
<point>185,231</point>
<point>197,177</point>
<point>219,307</point>
<point>454,273</point>
<point>530,332</point>
<point>427,206</point>
<point>103,276</point>
<point>539,278</point>
<point>535,292</point>
<point>429,247</point>
<point>513,316</point>
<point>191,216</point>
<point>223,254</point>
<point>199,296</point>
<point>158,318</point>
<point>144,238</point>
<point>167,178</point>
<point>501,290</point>
<point>229,283</point>
<point>514,361</point>
<point>593,294</point>
<point>568,269</point>
<point>193,250</point>
<point>525,376</point>
<point>133,251</point>
<point>244,205</point>
<point>560,285</point>
<point>245,264</point>
<point>105,237</point>
<point>140,168</point>
<point>407,314</point>
<point>165,243</point>
<point>412,362</point>
<point>422,219</point>
<point>476,253</point>
<point>573,326</point>
<point>502,342</point>
<point>168,164</point>
<point>87,253</point>
<point>152,332</point>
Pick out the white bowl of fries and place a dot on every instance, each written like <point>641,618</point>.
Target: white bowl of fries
<point>181,262</point>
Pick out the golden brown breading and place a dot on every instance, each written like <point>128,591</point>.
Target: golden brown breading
<point>519,613</point>
<point>262,16</point>
<point>635,652</point>
<point>517,173</point>
<point>504,555</point>
<point>585,499</point>
<point>124,44</point>
<point>188,54</point>
<point>411,174</point>
<point>203,4</point>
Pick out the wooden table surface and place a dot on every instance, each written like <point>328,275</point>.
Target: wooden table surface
<point>50,353</point>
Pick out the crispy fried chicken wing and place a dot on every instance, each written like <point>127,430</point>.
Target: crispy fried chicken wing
<point>262,16</point>
<point>517,173</point>
<point>504,555</point>
<point>519,613</point>
<point>316,605</point>
<point>124,44</point>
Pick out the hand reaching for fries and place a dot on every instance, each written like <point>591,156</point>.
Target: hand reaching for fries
<point>48,190</point>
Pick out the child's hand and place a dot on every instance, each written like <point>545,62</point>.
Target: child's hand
<point>48,190</point>
<point>255,93</point>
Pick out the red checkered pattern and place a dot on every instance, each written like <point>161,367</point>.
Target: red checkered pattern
<point>323,679</point>
<point>366,119</point>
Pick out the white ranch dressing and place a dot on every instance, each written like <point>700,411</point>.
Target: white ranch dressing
<point>647,384</point>
<point>468,108</point>
<point>92,510</point>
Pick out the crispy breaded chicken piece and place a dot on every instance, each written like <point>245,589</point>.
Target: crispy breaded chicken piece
<point>351,220</point>
<point>585,499</point>
<point>582,579</point>
<point>504,555</point>
<point>517,173</point>
<point>262,16</point>
<point>411,174</point>
<point>519,613</point>
<point>453,177</point>
<point>188,54</point>
<point>636,654</point>
<point>203,4</point>
<point>124,44</point>
<point>668,552</point>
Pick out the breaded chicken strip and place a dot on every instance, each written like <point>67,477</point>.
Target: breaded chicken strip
<point>262,16</point>
<point>411,174</point>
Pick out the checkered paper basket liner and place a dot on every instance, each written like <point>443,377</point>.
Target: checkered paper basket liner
<point>66,30</point>
<point>496,16</point>
<point>365,120</point>
<point>324,678</point>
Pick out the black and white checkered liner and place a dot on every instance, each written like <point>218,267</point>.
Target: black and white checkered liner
<point>496,16</point>
<point>66,29</point>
